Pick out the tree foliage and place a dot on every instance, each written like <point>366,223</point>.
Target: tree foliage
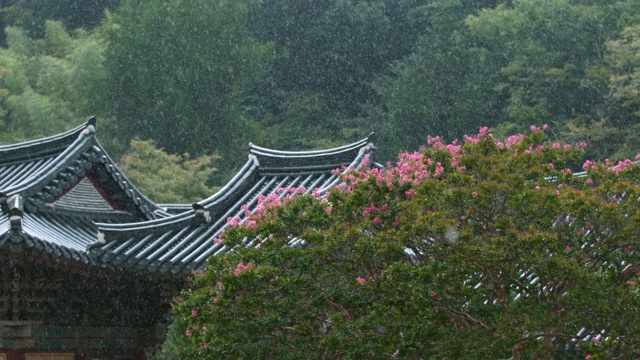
<point>47,83</point>
<point>555,66</point>
<point>445,86</point>
<point>168,178</point>
<point>484,249</point>
<point>31,15</point>
<point>178,72</point>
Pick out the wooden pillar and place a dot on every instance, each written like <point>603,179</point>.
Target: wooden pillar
<point>15,355</point>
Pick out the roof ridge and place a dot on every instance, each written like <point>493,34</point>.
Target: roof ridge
<point>182,242</point>
<point>160,224</point>
<point>57,174</point>
<point>81,142</point>
<point>267,152</point>
<point>47,144</point>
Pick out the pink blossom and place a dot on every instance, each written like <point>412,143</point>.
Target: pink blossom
<point>567,248</point>
<point>557,192</point>
<point>638,156</point>
<point>328,209</point>
<point>538,188</point>
<point>231,222</point>
<point>240,268</point>
<point>581,231</point>
<point>219,283</point>
<point>410,193</point>
<point>629,282</point>
<point>545,127</point>
<point>471,139</point>
<point>188,332</point>
<point>567,147</point>
<point>376,221</point>
<point>396,221</point>
<point>560,186</point>
<point>589,181</point>
<point>596,340</point>
<point>361,280</point>
<point>555,146</point>
<point>588,357</point>
<point>474,194</point>
<point>204,328</point>
<point>215,299</point>
<point>205,346</point>
<point>551,165</point>
<point>194,312</point>
<point>434,294</point>
<point>217,240</point>
<point>534,128</point>
<point>462,168</point>
<point>365,160</point>
<point>439,170</point>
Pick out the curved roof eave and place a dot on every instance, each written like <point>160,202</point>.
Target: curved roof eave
<point>45,145</point>
<point>182,242</point>
<point>81,153</point>
<point>252,167</point>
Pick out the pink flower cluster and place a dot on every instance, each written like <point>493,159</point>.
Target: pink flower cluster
<point>241,268</point>
<point>621,166</point>
<point>367,212</point>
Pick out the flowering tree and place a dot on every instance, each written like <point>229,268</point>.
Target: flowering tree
<point>485,249</point>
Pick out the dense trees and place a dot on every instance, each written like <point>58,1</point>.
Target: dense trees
<point>426,89</point>
<point>211,76</point>
<point>179,73</point>
<point>168,178</point>
<point>47,84</point>
<point>207,77</point>
<point>552,57</point>
<point>458,251</point>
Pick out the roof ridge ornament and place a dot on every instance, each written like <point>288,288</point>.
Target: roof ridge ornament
<point>255,160</point>
<point>15,204</point>
<point>101,238</point>
<point>90,129</point>
<point>201,213</point>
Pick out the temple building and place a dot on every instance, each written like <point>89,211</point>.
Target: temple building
<point>89,265</point>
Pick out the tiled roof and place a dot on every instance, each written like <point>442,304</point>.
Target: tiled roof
<point>45,171</point>
<point>57,192</point>
<point>55,188</point>
<point>183,242</point>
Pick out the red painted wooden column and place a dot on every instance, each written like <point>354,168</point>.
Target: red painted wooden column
<point>15,355</point>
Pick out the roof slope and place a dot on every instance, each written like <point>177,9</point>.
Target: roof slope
<point>183,242</point>
<point>54,188</point>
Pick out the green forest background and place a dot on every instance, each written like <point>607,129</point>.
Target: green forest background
<point>195,81</point>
